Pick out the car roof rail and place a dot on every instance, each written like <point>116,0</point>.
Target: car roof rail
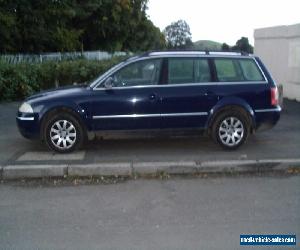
<point>204,52</point>
<point>244,53</point>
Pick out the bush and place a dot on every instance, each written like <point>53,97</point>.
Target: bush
<point>17,81</point>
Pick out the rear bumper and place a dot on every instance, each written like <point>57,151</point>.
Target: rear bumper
<point>28,125</point>
<point>267,118</point>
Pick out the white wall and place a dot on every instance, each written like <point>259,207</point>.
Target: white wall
<point>279,49</point>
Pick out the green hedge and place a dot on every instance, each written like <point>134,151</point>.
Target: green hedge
<point>17,81</point>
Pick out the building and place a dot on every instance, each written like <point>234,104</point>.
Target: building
<point>279,49</point>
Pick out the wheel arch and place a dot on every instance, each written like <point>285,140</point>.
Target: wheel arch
<point>73,110</point>
<point>229,104</point>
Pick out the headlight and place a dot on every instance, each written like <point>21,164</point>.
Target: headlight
<point>26,108</point>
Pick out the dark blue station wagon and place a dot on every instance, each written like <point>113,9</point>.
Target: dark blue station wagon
<point>228,95</point>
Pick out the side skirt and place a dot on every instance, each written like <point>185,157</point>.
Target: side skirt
<point>146,133</point>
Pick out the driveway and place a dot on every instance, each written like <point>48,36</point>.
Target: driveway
<point>282,142</point>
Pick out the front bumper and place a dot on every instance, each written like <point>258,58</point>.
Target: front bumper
<point>28,125</point>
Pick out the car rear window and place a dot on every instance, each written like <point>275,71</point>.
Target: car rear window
<point>236,70</point>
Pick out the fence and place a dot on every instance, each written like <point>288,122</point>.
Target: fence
<point>57,56</point>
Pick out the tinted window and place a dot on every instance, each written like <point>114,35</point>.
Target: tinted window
<point>202,72</point>
<point>181,70</point>
<point>233,70</point>
<point>188,70</point>
<point>228,70</point>
<point>139,73</point>
<point>250,70</point>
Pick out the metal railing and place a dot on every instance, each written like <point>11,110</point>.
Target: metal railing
<point>58,56</point>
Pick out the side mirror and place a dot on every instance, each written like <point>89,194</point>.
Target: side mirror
<point>108,84</point>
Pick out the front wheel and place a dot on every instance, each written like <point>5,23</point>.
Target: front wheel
<point>63,133</point>
<point>230,129</point>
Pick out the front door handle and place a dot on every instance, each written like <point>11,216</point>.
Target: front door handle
<point>152,97</point>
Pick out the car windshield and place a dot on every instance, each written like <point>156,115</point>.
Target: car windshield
<point>93,83</point>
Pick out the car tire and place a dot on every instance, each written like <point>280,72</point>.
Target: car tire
<point>63,133</point>
<point>231,129</point>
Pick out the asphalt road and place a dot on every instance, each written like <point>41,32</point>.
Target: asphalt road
<point>283,141</point>
<point>149,214</point>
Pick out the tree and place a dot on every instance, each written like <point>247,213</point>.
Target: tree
<point>225,47</point>
<point>31,26</point>
<point>243,45</point>
<point>118,25</point>
<point>7,26</point>
<point>178,35</point>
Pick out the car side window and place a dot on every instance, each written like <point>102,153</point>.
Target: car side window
<point>250,70</point>
<point>228,70</point>
<point>181,70</point>
<point>188,70</point>
<point>139,73</point>
<point>236,70</point>
<point>202,71</point>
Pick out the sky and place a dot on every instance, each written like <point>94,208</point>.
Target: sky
<point>224,20</point>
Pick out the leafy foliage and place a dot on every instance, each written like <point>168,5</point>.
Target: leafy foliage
<point>178,35</point>
<point>30,26</point>
<point>18,81</point>
<point>206,45</point>
<point>243,45</point>
<point>225,47</point>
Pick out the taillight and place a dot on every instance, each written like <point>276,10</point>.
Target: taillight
<point>274,96</point>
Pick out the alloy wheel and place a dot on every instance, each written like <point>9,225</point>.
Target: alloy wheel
<point>231,131</point>
<point>63,134</point>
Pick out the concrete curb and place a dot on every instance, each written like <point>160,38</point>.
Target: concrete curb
<point>102,169</point>
<point>33,171</point>
<point>129,169</point>
<point>150,168</point>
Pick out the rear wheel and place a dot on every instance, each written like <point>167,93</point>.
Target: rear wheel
<point>230,129</point>
<point>63,133</point>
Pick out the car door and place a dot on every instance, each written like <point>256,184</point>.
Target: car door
<point>132,101</point>
<point>190,93</point>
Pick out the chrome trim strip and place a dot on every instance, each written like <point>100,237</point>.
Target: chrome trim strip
<point>277,109</point>
<point>111,71</point>
<point>124,116</point>
<point>149,115</point>
<point>186,84</point>
<point>261,71</point>
<point>184,114</point>
<point>25,118</point>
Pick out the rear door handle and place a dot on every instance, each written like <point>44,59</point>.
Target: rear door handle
<point>209,93</point>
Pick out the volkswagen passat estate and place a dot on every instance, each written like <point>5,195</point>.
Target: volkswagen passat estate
<point>228,95</point>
